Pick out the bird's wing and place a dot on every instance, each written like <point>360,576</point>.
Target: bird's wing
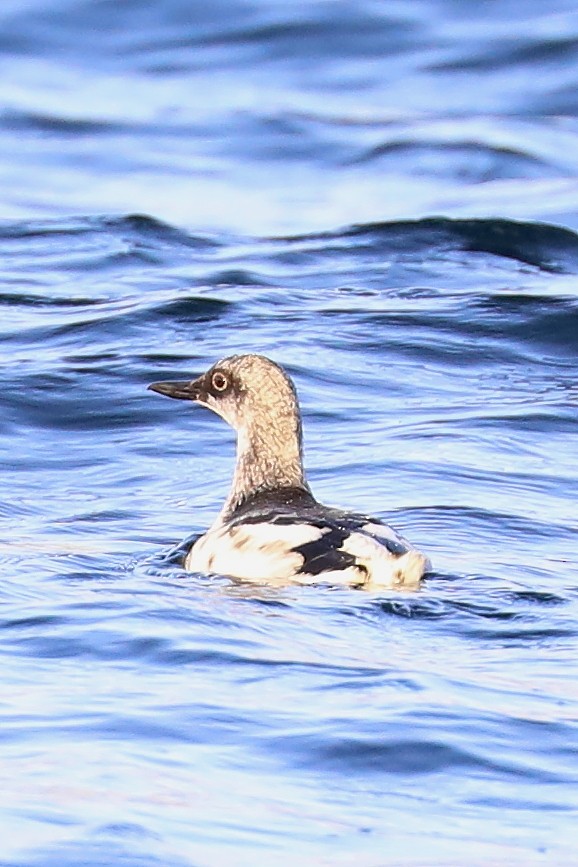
<point>386,536</point>
<point>281,547</point>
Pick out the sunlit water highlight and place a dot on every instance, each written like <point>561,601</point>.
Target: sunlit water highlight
<point>150,717</point>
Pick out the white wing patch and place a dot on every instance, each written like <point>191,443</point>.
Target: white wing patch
<point>256,552</point>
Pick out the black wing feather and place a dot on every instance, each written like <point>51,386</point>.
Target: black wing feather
<point>323,554</point>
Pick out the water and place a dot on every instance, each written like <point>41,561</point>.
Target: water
<point>182,181</point>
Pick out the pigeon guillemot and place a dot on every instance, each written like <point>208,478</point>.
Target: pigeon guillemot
<point>271,528</point>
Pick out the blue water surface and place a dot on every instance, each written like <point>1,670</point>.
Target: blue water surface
<point>383,197</point>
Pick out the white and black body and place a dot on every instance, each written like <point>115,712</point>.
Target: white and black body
<point>271,528</point>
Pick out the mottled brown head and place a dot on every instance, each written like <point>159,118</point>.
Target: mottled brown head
<point>242,389</point>
<point>257,398</point>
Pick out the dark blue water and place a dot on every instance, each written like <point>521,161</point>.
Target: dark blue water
<point>384,199</point>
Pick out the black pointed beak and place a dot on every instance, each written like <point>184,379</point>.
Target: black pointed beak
<point>178,390</point>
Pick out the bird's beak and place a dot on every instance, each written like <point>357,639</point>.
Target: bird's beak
<point>178,390</point>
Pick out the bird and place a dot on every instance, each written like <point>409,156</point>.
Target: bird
<point>271,528</point>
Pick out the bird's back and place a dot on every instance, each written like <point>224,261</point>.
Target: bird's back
<point>287,536</point>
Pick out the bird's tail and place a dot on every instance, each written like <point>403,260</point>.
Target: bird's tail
<point>403,573</point>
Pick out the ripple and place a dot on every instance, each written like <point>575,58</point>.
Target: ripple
<point>436,390</point>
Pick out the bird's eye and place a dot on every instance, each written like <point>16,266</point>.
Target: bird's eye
<point>219,381</point>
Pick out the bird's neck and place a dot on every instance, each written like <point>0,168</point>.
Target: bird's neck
<point>269,458</point>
